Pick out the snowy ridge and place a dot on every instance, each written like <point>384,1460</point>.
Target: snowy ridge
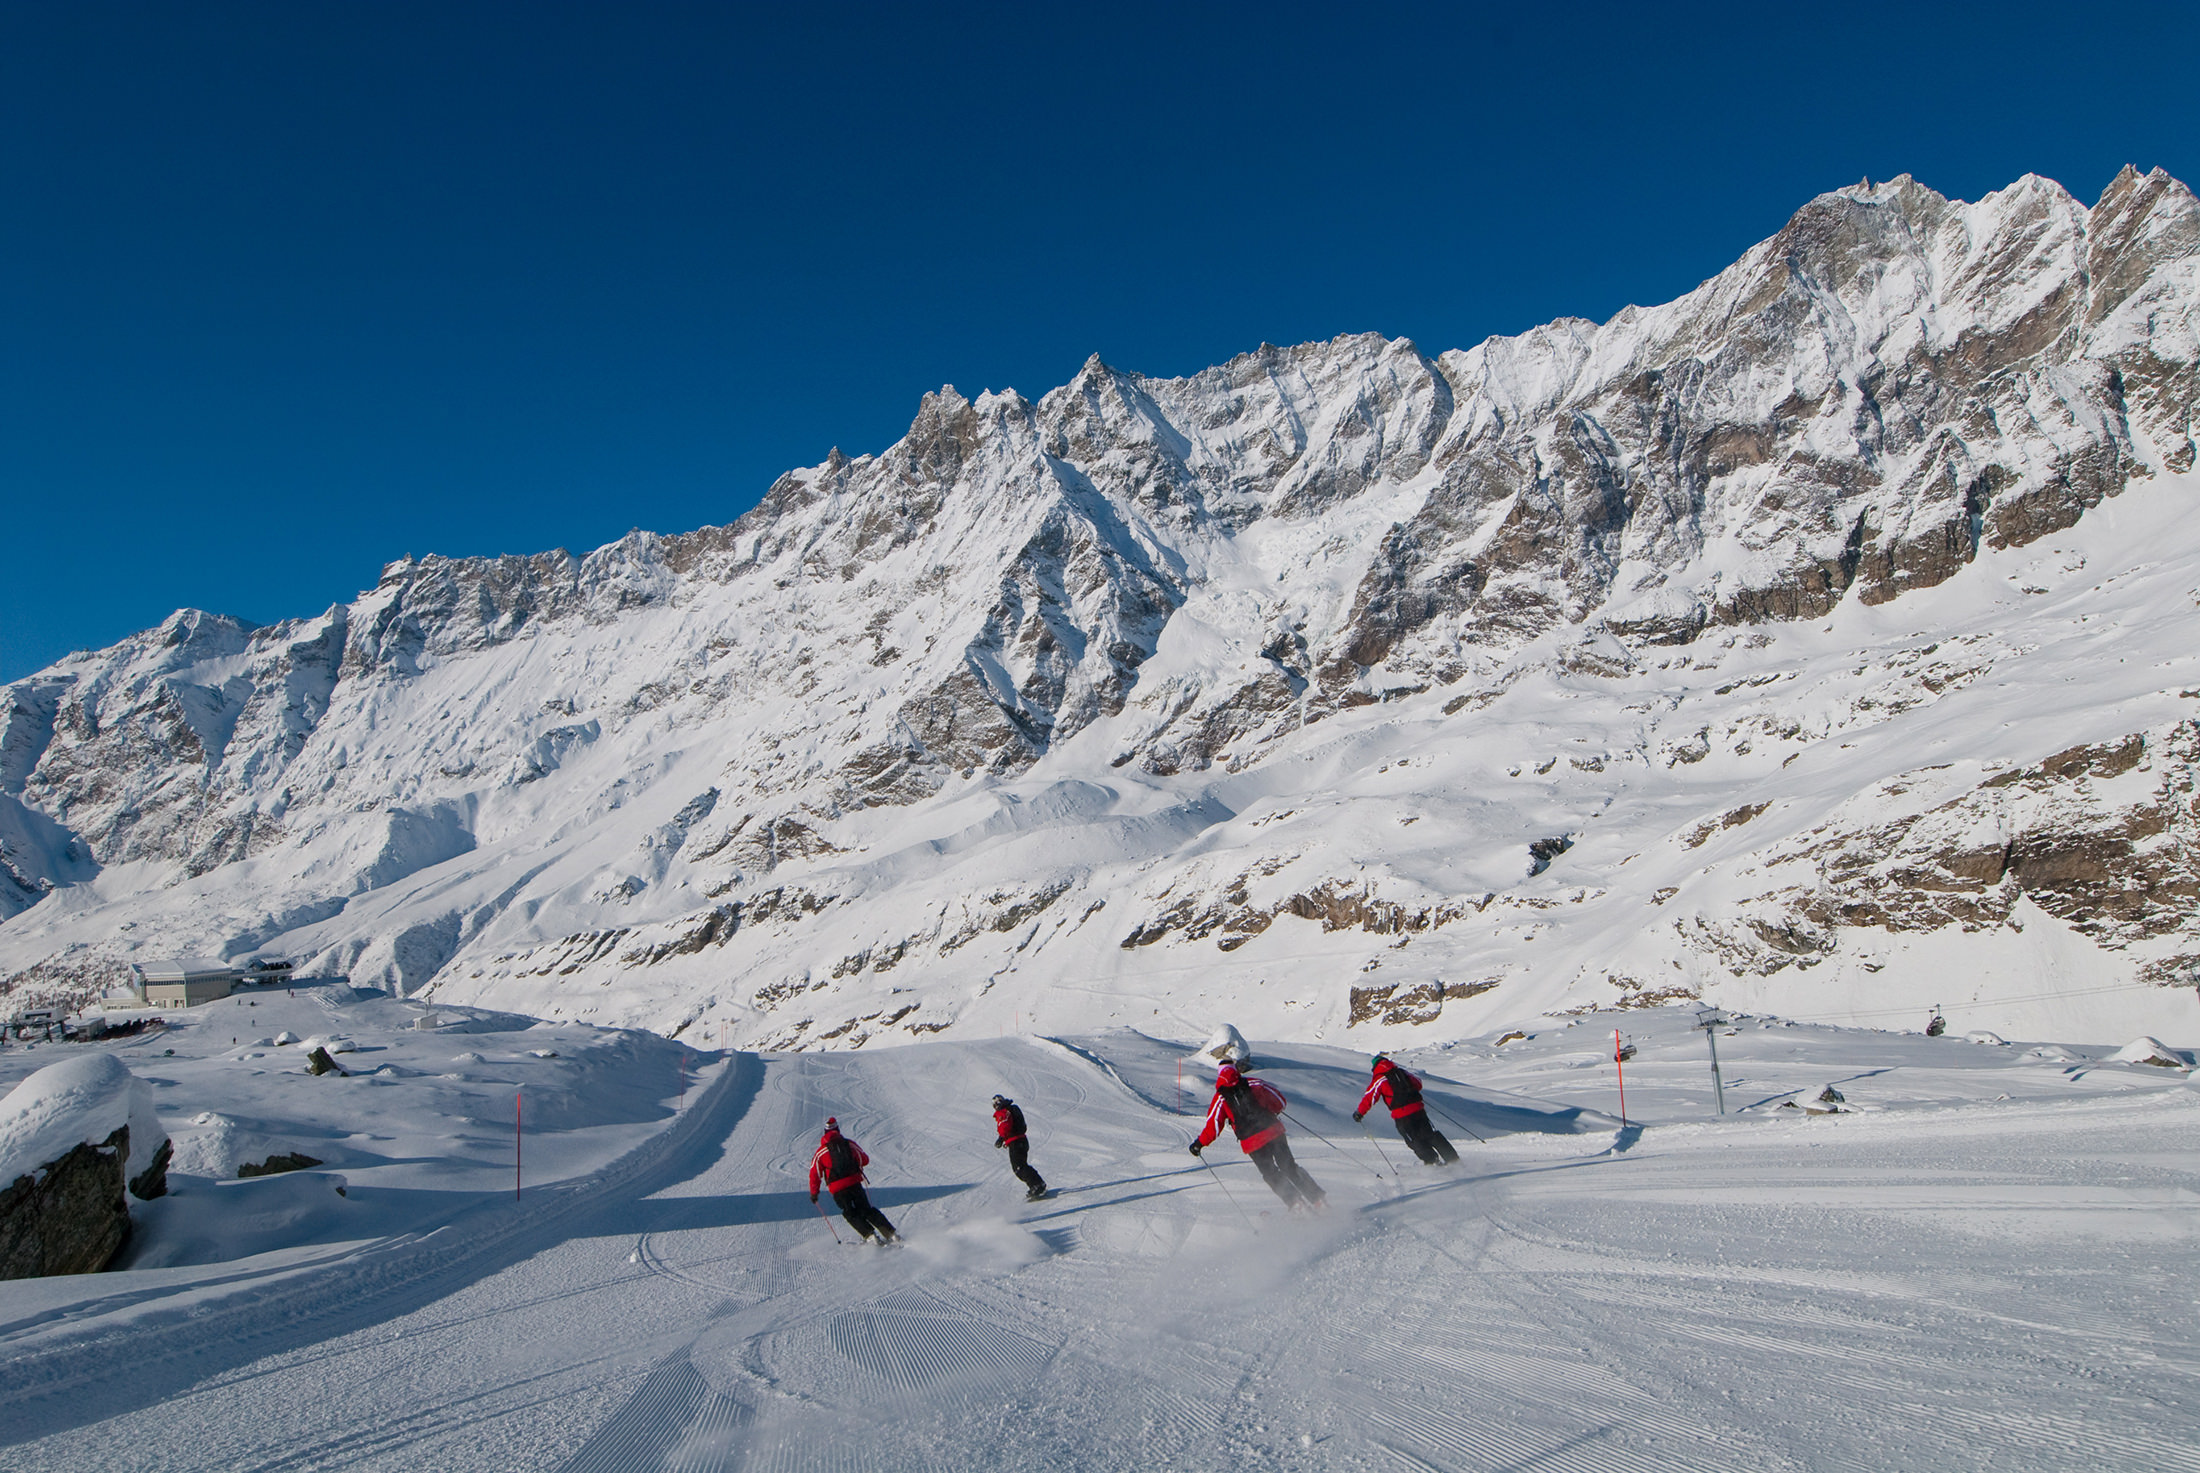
<point>1814,641</point>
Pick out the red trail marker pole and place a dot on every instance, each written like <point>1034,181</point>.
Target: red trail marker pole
<point>517,1096</point>
<point>1621,1069</point>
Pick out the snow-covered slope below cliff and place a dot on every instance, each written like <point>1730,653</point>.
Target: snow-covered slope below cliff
<point>1814,641</point>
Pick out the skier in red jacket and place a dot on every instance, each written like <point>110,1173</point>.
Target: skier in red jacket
<point>839,1163</point>
<point>1254,1109</point>
<point>1008,1128</point>
<point>1400,1089</point>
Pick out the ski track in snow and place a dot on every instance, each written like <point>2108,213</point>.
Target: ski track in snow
<point>1970,1283</point>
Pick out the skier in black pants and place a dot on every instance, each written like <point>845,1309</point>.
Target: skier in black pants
<point>1254,1109</point>
<point>839,1163</point>
<point>1008,1126</point>
<point>1401,1091</point>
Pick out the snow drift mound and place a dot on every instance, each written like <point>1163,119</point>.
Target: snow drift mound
<point>2149,1051</point>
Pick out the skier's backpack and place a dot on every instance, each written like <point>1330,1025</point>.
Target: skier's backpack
<point>1254,1106</point>
<point>842,1153</point>
<point>1405,1090</point>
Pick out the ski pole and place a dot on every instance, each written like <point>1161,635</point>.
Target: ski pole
<point>1470,1130</point>
<point>1378,1145</point>
<point>1228,1193</point>
<point>1340,1150</point>
<point>826,1220</point>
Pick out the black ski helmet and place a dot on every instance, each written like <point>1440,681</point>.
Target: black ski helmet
<point>1000,1100</point>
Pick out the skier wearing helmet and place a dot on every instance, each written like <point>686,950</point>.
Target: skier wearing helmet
<point>1008,1128</point>
<point>1400,1089</point>
<point>1254,1109</point>
<point>839,1163</point>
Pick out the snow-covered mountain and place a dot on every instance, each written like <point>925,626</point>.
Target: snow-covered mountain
<point>1822,640</point>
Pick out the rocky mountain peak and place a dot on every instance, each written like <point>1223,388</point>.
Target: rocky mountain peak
<point>1132,585</point>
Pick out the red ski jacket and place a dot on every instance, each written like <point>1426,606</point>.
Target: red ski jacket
<point>1009,1122</point>
<point>847,1173</point>
<point>1400,1090</point>
<point>1255,1126</point>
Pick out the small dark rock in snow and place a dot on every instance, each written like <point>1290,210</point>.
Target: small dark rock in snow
<point>280,1162</point>
<point>1543,851</point>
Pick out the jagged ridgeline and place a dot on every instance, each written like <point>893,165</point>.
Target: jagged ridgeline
<point>1773,641</point>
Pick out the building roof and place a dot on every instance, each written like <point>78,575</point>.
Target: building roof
<point>187,969</point>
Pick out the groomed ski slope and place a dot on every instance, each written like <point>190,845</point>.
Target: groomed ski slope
<point>1990,1266</point>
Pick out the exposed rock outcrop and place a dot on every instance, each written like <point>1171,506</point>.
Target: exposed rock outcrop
<point>69,1216</point>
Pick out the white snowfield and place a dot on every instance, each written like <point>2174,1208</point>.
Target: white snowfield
<point>1986,1261</point>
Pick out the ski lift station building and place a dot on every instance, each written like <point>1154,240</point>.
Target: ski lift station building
<point>186,982</point>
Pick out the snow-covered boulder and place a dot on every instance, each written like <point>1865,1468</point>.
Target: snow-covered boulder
<point>85,1098</point>
<point>1825,1100</point>
<point>71,1137</point>
<point>1227,1046</point>
<point>2149,1051</point>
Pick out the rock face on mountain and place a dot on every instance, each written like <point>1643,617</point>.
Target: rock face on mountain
<point>1119,614</point>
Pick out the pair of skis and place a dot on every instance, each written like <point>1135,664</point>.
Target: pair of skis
<point>822,1216</point>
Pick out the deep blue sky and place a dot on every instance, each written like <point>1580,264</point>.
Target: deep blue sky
<point>291,290</point>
